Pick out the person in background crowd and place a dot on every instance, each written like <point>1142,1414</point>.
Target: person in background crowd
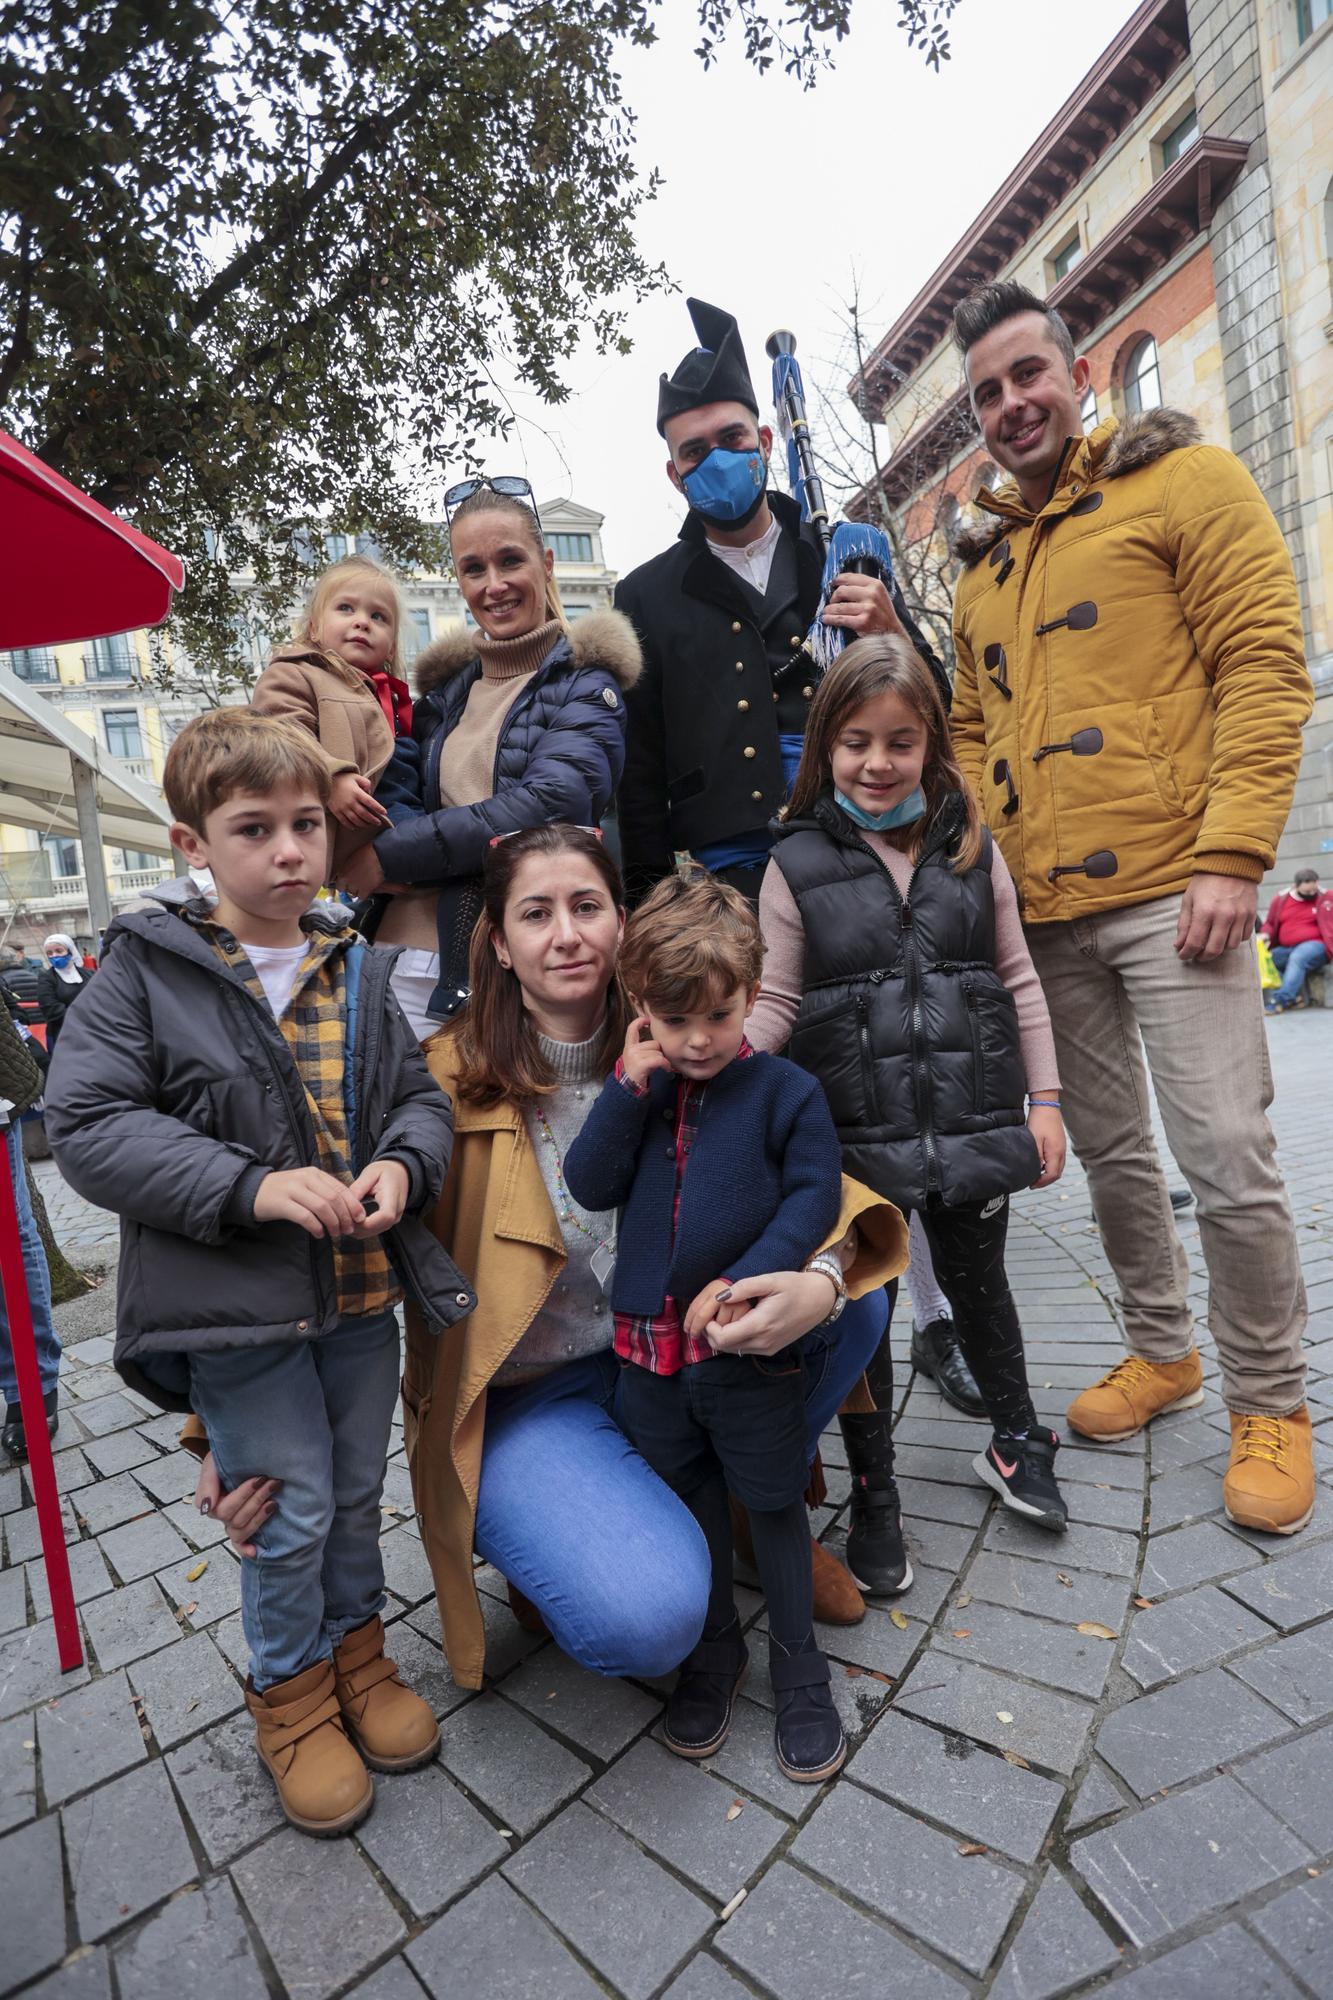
<point>1129,695</point>
<point>60,983</point>
<point>20,1088</point>
<point>1299,929</point>
<point>520,721</point>
<point>20,981</point>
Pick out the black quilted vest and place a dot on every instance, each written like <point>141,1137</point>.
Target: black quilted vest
<point>904,1019</point>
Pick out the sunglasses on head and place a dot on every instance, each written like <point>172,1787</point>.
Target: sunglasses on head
<point>515,831</point>
<point>509,484</point>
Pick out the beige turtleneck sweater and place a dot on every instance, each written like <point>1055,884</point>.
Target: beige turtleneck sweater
<point>467,760</point>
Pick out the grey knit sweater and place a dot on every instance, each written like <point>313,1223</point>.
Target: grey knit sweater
<point>576,1319</point>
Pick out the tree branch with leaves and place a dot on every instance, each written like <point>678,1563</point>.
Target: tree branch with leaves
<point>262,262</point>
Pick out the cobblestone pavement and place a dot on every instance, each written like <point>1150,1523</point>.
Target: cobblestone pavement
<point>1030,1809</point>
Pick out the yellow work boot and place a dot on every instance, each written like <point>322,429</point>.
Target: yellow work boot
<point>1133,1394</point>
<point>1269,1483</point>
<point>323,1786</point>
<point>394,1728</point>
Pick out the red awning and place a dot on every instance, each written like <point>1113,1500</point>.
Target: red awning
<point>77,570</point>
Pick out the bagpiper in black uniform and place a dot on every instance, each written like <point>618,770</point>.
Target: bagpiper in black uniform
<point>725,679</point>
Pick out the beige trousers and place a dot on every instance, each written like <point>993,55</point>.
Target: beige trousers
<point>1116,990</point>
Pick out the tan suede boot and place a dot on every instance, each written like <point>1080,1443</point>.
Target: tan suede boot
<point>323,1786</point>
<point>394,1728</point>
<point>837,1601</point>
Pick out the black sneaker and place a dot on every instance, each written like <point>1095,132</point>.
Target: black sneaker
<point>698,1714</point>
<point>876,1555</point>
<point>1022,1472</point>
<point>13,1437</point>
<point>808,1733</point>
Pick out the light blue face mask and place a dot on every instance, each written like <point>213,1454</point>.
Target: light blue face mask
<point>903,814</point>
<point>727,486</point>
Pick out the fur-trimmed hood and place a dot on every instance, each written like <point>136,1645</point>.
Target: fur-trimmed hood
<point>1118,446</point>
<point>603,639</point>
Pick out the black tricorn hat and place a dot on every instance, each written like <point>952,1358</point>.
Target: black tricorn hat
<point>712,372</point>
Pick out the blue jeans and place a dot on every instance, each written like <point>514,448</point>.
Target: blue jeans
<point>316,1415</point>
<point>571,1515</point>
<point>39,1285</point>
<point>1295,962</point>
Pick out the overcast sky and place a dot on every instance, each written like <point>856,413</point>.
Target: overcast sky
<point>773,195</point>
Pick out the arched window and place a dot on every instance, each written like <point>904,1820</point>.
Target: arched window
<point>1087,409</point>
<point>1143,382</point>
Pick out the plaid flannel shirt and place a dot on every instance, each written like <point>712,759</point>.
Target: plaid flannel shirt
<point>314,1027</point>
<point>659,1342</point>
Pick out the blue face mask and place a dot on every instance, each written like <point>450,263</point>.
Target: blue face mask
<point>904,813</point>
<point>60,960</point>
<point>726,487</point>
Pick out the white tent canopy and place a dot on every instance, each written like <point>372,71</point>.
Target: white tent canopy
<point>57,779</point>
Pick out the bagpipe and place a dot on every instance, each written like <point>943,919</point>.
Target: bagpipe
<point>850,547</point>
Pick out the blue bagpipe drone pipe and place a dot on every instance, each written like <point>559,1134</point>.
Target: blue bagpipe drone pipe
<point>850,546</point>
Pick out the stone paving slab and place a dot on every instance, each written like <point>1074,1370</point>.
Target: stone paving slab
<point>558,1852</point>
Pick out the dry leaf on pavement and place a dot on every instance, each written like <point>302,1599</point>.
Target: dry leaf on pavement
<point>1092,1630</point>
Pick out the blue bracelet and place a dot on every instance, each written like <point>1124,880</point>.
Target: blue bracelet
<point>1043,1104</point>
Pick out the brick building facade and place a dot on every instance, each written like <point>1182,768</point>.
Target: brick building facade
<point>1179,210</point>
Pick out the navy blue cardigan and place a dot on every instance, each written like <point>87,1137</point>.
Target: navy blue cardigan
<point>761,1192</point>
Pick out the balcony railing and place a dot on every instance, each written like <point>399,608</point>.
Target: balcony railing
<point>65,892</point>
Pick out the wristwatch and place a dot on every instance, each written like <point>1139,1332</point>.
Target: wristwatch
<point>829,1265</point>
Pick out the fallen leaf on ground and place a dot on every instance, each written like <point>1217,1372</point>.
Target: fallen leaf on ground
<point>188,1610</point>
<point>735,1809</point>
<point>193,1575</point>
<point>973,1847</point>
<point>1092,1630</point>
<point>964,1632</point>
<point>853,1673</point>
<point>1012,1757</point>
<point>876,1675</point>
<point>898,1618</point>
<point>191,1705</point>
<point>963,1599</point>
<point>1143,1603</point>
<point>1067,1581</point>
<point>1003,1715</point>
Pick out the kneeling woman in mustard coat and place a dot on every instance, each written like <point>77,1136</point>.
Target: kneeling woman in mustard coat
<point>511,1436</point>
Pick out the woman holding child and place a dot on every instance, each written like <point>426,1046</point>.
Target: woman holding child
<point>520,720</point>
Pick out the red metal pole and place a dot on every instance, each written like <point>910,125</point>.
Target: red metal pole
<point>41,1468</point>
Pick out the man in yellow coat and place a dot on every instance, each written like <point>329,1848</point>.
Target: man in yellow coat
<point>1131,687</point>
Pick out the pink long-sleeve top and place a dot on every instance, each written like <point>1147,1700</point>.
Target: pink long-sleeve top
<point>779,999</point>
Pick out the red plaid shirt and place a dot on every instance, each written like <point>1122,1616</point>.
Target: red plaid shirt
<point>660,1343</point>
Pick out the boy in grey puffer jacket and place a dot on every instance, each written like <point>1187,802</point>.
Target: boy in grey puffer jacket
<point>249,1099</point>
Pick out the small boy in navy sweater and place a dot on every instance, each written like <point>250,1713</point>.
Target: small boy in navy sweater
<point>726,1164</point>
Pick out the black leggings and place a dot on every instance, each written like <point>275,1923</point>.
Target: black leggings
<point>967,1250</point>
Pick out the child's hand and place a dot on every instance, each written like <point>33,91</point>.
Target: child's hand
<point>352,801</point>
<point>362,875</point>
<point>243,1511</point>
<point>1048,1129</point>
<point>307,1195</point>
<point>705,1307</point>
<point>641,1055</point>
<point>386,1183</point>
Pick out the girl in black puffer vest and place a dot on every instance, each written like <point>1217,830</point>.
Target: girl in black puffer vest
<point>895,963</point>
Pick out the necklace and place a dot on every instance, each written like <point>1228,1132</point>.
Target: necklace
<point>565,1210</point>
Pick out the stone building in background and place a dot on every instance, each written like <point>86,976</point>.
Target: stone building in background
<point>106,688</point>
<point>1178,209</point>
